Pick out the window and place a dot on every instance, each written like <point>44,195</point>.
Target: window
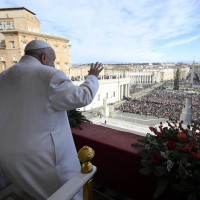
<point>8,26</point>
<point>12,44</point>
<point>1,26</point>
<point>14,59</point>
<point>12,25</point>
<point>24,43</point>
<point>65,47</point>
<point>57,65</point>
<point>56,46</point>
<point>56,49</point>
<point>4,65</point>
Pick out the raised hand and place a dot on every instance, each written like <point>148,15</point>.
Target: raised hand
<point>95,69</point>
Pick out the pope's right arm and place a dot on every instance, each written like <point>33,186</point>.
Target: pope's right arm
<point>64,95</point>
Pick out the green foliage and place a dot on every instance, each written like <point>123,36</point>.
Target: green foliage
<point>161,186</point>
<point>76,118</point>
<point>160,171</point>
<point>192,196</point>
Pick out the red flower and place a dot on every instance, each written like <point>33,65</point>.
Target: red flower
<point>156,159</point>
<point>187,149</point>
<point>171,145</point>
<point>196,155</point>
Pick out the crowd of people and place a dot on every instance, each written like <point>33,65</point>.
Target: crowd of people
<point>137,88</point>
<point>162,103</point>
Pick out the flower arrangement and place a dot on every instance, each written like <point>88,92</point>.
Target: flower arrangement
<point>172,154</point>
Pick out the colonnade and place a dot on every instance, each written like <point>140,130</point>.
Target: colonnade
<point>134,79</point>
<point>123,90</point>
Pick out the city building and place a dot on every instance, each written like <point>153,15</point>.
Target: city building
<point>18,26</point>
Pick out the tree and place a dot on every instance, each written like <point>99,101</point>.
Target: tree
<point>76,118</point>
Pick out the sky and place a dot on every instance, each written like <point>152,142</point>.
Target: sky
<point>121,31</point>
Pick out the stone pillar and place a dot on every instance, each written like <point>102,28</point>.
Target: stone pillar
<point>123,90</point>
<point>153,76</point>
<point>127,90</point>
<point>120,92</point>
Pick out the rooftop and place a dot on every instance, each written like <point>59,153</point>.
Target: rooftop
<point>17,8</point>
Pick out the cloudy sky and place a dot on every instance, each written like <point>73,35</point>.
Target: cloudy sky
<point>121,30</point>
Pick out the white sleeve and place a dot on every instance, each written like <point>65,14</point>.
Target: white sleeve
<point>64,95</point>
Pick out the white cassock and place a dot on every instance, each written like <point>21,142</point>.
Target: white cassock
<point>37,151</point>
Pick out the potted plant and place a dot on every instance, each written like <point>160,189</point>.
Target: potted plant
<point>172,155</point>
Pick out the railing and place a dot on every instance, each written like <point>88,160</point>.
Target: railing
<point>82,179</point>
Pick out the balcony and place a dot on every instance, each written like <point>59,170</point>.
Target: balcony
<point>118,163</point>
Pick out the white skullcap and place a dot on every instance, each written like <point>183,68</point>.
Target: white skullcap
<point>37,44</point>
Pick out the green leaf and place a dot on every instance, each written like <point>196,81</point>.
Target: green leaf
<point>192,196</point>
<point>159,171</point>
<point>197,172</point>
<point>145,171</point>
<point>181,187</point>
<point>76,118</point>
<point>145,162</point>
<point>161,186</point>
